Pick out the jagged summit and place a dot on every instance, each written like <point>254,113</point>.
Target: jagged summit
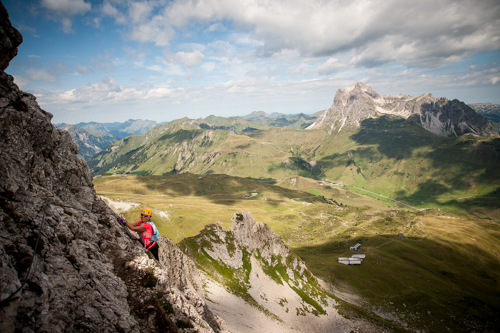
<point>437,115</point>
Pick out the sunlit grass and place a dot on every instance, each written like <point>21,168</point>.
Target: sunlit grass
<point>449,260</point>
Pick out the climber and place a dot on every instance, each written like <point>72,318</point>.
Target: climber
<point>146,229</point>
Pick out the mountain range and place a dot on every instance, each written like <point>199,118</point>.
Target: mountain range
<point>351,106</point>
<point>117,129</point>
<point>402,146</point>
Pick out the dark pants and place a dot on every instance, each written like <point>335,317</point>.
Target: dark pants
<point>153,249</point>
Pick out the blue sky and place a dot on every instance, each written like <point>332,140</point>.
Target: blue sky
<point>112,60</point>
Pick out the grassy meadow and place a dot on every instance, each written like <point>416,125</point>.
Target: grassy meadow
<point>442,274</point>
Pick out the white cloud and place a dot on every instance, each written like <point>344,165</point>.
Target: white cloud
<point>330,66</point>
<point>417,33</point>
<point>81,69</point>
<point>216,27</point>
<point>41,75</point>
<point>67,7</point>
<point>208,66</point>
<point>50,75</point>
<point>65,10</point>
<point>190,59</point>
<point>140,11</point>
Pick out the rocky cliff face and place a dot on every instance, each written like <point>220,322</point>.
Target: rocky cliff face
<point>439,116</point>
<point>80,271</point>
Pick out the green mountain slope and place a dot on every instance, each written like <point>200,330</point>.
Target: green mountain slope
<point>386,156</point>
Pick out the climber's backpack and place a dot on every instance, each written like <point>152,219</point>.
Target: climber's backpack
<point>153,238</point>
<point>156,235</point>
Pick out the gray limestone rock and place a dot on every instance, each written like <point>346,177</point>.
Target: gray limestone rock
<point>257,235</point>
<point>437,115</point>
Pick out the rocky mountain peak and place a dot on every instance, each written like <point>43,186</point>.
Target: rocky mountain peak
<point>437,115</point>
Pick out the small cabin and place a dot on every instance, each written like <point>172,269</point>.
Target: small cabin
<point>355,247</point>
<point>349,261</point>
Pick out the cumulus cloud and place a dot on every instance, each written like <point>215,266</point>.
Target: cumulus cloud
<point>417,33</point>
<point>65,10</point>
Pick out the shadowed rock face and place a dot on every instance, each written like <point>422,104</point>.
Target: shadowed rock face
<point>71,286</point>
<point>88,273</point>
<point>10,39</point>
<point>451,118</point>
<point>439,116</point>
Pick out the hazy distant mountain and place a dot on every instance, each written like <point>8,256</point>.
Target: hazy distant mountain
<point>437,115</point>
<point>237,125</point>
<point>262,116</point>
<point>120,130</point>
<point>298,121</point>
<point>488,110</point>
<point>89,141</point>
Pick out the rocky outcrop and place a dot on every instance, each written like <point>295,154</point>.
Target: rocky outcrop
<point>439,116</point>
<point>10,39</point>
<point>252,262</point>
<point>66,265</point>
<point>255,235</point>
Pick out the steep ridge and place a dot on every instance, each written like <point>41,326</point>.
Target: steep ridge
<point>437,115</point>
<point>280,293</point>
<point>66,263</point>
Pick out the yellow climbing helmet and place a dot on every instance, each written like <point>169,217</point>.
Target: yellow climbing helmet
<point>147,211</point>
